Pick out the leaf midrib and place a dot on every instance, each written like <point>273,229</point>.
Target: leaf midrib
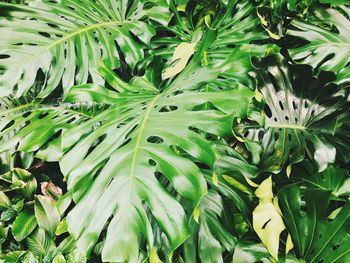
<point>73,34</point>
<point>138,142</point>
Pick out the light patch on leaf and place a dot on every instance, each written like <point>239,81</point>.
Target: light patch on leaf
<point>289,244</point>
<point>196,214</point>
<point>215,179</point>
<point>267,221</point>
<point>153,257</point>
<point>289,170</point>
<point>181,56</point>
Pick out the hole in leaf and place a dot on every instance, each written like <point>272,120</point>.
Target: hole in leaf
<point>261,135</point>
<point>168,108</point>
<point>155,139</point>
<point>4,56</point>
<point>152,162</point>
<point>265,224</point>
<point>335,247</point>
<point>268,111</point>
<point>130,131</point>
<point>25,115</point>
<point>44,34</point>
<point>281,105</point>
<point>8,125</point>
<point>43,115</point>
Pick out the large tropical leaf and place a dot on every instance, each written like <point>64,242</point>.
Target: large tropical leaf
<point>325,48</point>
<point>303,114</point>
<point>210,237</point>
<point>63,41</point>
<point>305,214</point>
<point>133,153</point>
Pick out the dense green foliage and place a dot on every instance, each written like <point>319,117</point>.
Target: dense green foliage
<point>174,131</point>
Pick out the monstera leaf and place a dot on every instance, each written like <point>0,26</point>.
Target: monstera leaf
<point>233,32</point>
<point>133,153</point>
<point>327,49</point>
<point>302,115</point>
<point>313,234</point>
<point>212,237</point>
<point>62,41</point>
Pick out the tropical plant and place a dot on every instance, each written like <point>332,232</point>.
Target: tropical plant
<point>174,131</point>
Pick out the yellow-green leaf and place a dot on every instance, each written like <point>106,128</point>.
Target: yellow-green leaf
<point>181,55</point>
<point>153,257</point>
<point>196,214</point>
<point>267,221</point>
<point>289,170</point>
<point>289,244</point>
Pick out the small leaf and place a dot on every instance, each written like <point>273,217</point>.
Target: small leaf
<point>289,170</point>
<point>8,214</point>
<point>196,214</point>
<point>215,179</point>
<point>24,224</point>
<point>46,214</point>
<point>181,56</point>
<point>289,244</point>
<point>62,227</point>
<point>267,222</point>
<point>40,243</point>
<point>4,201</point>
<point>153,256</point>
<point>59,259</point>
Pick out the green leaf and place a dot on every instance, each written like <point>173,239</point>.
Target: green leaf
<point>4,201</point>
<point>67,245</point>
<point>325,49</point>
<point>30,184</point>
<point>213,236</point>
<point>14,257</point>
<point>247,252</point>
<point>24,224</point>
<point>315,238</point>
<point>46,214</point>
<point>8,214</point>
<point>111,163</point>
<point>59,259</point>
<point>65,40</point>
<point>62,227</point>
<point>334,2</point>
<point>300,110</point>
<point>40,242</point>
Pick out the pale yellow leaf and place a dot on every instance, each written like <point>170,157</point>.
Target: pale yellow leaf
<point>334,213</point>
<point>251,183</point>
<point>181,8</point>
<point>289,244</point>
<point>289,170</point>
<point>267,221</point>
<point>258,96</point>
<point>196,214</point>
<point>181,55</point>
<point>215,179</point>
<point>153,256</point>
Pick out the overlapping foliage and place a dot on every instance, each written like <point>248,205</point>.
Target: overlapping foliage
<point>174,131</point>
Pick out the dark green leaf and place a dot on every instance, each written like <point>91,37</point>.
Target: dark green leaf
<point>24,224</point>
